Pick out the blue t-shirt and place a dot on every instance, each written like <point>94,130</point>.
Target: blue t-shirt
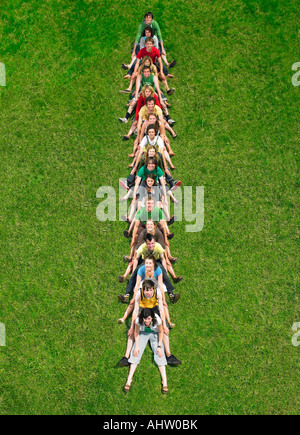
<point>141,272</point>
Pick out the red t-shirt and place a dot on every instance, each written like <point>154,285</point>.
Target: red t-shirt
<point>141,102</point>
<point>154,53</point>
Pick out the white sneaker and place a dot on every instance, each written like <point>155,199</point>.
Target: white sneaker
<point>171,121</point>
<point>123,120</point>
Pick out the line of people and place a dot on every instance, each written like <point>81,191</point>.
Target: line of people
<point>150,187</point>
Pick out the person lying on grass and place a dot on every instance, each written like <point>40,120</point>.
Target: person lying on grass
<point>150,247</point>
<point>148,297</point>
<point>149,270</point>
<point>148,328</point>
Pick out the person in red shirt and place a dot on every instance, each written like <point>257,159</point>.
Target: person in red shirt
<point>154,53</point>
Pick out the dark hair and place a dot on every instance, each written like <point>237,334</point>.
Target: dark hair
<point>150,99</point>
<point>151,160</point>
<point>148,14</point>
<point>152,176</point>
<point>146,312</point>
<point>150,30</point>
<point>149,237</point>
<point>152,127</point>
<point>146,67</point>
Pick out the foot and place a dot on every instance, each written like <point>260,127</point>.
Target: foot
<point>123,120</point>
<point>174,136</point>
<point>125,138</point>
<point>125,219</point>
<point>124,66</point>
<point>171,325</point>
<point>125,91</point>
<point>170,91</point>
<point>173,260</point>
<point>126,259</point>
<point>123,184</point>
<point>175,185</point>
<point>164,389</point>
<point>131,155</point>
<point>120,321</point>
<point>127,388</point>
<point>170,76</point>
<point>123,298</point>
<point>177,279</point>
<point>121,278</point>
<point>174,297</point>
<point>170,236</point>
<point>172,64</point>
<point>173,361</point>
<point>126,234</point>
<point>123,362</point>
<point>171,122</point>
<point>171,221</point>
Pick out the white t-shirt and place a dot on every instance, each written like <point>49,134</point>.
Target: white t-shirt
<point>156,141</point>
<point>153,328</point>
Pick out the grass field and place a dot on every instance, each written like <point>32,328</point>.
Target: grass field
<point>237,120</point>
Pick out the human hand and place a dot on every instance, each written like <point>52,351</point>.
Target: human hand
<point>166,330</point>
<point>159,352</point>
<point>136,351</point>
<point>131,331</point>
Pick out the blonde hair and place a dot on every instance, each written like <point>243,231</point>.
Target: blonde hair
<point>147,87</point>
<point>152,66</point>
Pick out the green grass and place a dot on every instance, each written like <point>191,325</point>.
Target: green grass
<point>236,113</point>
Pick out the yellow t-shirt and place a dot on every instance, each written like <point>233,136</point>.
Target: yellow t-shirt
<point>144,253</point>
<point>144,111</point>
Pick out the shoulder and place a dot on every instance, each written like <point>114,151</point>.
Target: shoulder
<point>158,319</point>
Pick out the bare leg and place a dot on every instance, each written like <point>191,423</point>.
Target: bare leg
<point>130,342</point>
<point>163,374</point>
<point>128,310</point>
<point>131,373</point>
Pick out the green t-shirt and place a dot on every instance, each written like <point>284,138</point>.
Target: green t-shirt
<point>141,28</point>
<point>155,215</point>
<point>143,172</point>
<point>149,81</point>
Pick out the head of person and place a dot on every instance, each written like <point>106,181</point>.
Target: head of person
<point>146,71</point>
<point>148,17</point>
<point>150,179</point>
<point>152,119</point>
<point>148,287</point>
<point>150,103</point>
<point>149,43</point>
<point>152,131</point>
<point>151,164</point>
<point>147,317</point>
<point>150,263</point>
<point>148,32</point>
<point>150,226</point>
<point>147,61</point>
<point>147,91</point>
<point>150,206</point>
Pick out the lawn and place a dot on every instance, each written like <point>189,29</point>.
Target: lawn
<point>237,121</point>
